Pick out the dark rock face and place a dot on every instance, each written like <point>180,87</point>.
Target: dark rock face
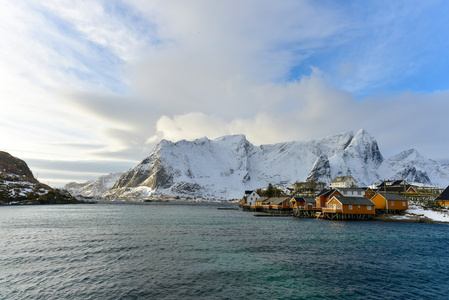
<point>149,172</point>
<point>321,170</point>
<point>365,149</point>
<point>186,188</point>
<point>411,174</point>
<point>159,177</point>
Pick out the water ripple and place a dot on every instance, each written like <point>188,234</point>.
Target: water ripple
<point>199,252</point>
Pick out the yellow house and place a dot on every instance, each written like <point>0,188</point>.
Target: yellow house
<point>443,198</point>
<point>261,201</point>
<point>350,205</point>
<point>389,201</point>
<point>279,202</point>
<point>325,195</point>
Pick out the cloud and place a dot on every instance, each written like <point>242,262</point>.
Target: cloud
<point>60,172</point>
<point>105,80</point>
<point>312,108</point>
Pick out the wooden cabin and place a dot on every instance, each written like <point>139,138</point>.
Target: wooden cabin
<point>279,203</point>
<point>302,203</point>
<point>259,204</point>
<point>303,207</point>
<point>370,193</point>
<point>324,196</point>
<point>266,204</point>
<point>390,202</point>
<point>250,197</point>
<point>347,208</point>
<point>310,204</point>
<point>297,202</point>
<point>248,200</point>
<point>443,198</point>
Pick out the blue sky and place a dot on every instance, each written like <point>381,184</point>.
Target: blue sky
<point>89,87</point>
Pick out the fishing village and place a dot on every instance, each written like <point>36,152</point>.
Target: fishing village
<point>343,200</point>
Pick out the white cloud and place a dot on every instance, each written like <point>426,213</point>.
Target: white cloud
<point>120,75</point>
<point>311,109</point>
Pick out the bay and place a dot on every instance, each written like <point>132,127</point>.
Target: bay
<point>195,251</point>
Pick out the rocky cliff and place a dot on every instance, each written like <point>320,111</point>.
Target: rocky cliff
<point>18,185</point>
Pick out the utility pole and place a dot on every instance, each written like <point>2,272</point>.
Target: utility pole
<point>386,200</point>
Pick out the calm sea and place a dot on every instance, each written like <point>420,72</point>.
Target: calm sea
<point>195,251</point>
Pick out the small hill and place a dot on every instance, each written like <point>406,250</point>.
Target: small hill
<point>13,165</point>
<point>18,185</point>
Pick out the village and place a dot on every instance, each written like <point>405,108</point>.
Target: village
<point>344,200</point>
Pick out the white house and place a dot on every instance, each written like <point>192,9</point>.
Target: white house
<point>343,182</point>
<point>251,197</point>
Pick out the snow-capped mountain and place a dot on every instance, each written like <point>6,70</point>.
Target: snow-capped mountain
<point>413,167</point>
<point>95,187</point>
<point>226,166</point>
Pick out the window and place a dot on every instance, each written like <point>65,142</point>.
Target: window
<point>338,206</point>
<point>350,207</point>
<point>392,203</point>
<point>359,192</point>
<point>368,207</point>
<point>403,203</point>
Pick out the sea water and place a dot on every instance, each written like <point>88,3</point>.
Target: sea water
<point>195,251</point>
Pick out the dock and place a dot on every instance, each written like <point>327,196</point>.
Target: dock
<point>272,215</point>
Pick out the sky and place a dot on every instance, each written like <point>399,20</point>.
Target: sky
<point>90,87</point>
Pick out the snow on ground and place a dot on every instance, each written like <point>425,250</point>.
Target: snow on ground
<point>414,211</point>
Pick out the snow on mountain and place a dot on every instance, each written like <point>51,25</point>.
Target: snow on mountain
<point>226,166</point>
<point>413,167</point>
<point>95,187</point>
<point>321,170</point>
<point>361,158</point>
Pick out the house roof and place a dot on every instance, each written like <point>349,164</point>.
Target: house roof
<point>444,195</point>
<point>354,200</point>
<point>342,178</point>
<point>324,191</point>
<point>309,200</point>
<point>277,200</point>
<point>248,192</point>
<point>393,196</point>
<point>299,199</point>
<point>392,183</point>
<point>396,188</point>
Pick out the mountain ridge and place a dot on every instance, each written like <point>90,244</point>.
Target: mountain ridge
<point>225,166</point>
